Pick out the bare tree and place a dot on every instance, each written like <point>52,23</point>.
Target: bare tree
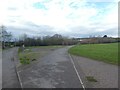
<point>5,37</point>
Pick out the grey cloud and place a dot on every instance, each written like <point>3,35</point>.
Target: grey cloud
<point>46,30</point>
<point>86,32</point>
<point>39,27</point>
<point>41,30</point>
<point>30,24</point>
<point>110,32</point>
<point>78,31</point>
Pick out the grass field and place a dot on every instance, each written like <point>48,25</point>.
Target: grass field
<point>103,52</point>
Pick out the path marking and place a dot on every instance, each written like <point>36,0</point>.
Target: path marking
<point>17,72</point>
<point>20,80</point>
<point>77,73</point>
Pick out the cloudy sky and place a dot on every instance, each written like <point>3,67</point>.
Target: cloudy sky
<point>72,18</point>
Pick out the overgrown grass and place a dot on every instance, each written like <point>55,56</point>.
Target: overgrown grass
<point>58,46</point>
<point>27,55</point>
<point>30,54</point>
<point>103,52</point>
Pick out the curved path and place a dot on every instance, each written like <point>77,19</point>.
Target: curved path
<point>58,70</point>
<point>55,70</point>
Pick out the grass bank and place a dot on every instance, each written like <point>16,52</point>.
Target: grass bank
<point>102,52</point>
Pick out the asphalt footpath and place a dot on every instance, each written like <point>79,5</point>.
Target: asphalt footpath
<point>9,75</point>
<point>55,70</point>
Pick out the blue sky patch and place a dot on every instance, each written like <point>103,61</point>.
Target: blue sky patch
<point>99,5</point>
<point>39,5</point>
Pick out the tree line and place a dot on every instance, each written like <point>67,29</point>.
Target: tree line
<point>56,39</point>
<point>99,39</point>
<point>8,39</point>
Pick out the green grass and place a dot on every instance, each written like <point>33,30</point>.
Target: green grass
<point>91,79</point>
<point>58,46</point>
<point>103,52</point>
<point>28,54</point>
<point>31,54</point>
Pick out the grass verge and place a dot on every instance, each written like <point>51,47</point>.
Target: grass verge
<point>33,53</point>
<point>103,52</point>
<point>27,56</point>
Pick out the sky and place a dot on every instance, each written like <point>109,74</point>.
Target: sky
<point>72,18</point>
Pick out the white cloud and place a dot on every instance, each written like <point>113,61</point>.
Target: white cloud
<point>62,15</point>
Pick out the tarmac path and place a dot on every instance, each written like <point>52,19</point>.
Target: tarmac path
<point>55,70</point>
<point>9,76</point>
<point>58,70</point>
